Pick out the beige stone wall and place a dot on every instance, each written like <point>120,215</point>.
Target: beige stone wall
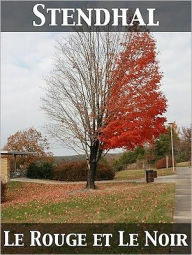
<point>5,169</point>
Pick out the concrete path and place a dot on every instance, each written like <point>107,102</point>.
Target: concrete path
<point>182,212</point>
<point>182,180</point>
<point>160,179</point>
<point>24,179</point>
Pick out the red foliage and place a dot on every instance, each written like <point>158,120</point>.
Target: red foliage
<point>136,105</point>
<point>39,193</point>
<point>77,171</point>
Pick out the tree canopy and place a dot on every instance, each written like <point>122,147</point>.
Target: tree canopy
<point>135,104</point>
<point>29,140</point>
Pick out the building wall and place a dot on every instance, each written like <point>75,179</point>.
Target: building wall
<point>5,169</point>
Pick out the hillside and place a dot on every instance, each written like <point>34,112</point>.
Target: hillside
<point>58,159</point>
<point>109,157</point>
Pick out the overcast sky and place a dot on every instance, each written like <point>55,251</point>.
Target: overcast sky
<point>28,57</point>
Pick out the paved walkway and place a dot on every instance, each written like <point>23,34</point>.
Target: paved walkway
<point>160,179</point>
<point>182,213</point>
<point>40,181</point>
<point>182,180</point>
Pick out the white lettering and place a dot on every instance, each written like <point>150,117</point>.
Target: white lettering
<point>35,235</point>
<point>138,18</point>
<point>39,15</point>
<point>53,12</point>
<point>151,18</point>
<point>17,242</point>
<point>66,17</point>
<point>81,15</point>
<point>117,16</point>
<point>98,17</point>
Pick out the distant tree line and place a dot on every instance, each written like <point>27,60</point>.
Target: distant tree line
<point>149,154</point>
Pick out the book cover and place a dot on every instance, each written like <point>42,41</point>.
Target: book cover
<point>95,127</point>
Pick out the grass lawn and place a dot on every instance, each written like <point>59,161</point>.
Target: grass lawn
<point>110,203</point>
<point>137,174</point>
<point>183,164</point>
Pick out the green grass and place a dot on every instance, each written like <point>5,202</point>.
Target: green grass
<point>183,164</point>
<point>14,185</point>
<point>137,174</point>
<point>151,203</point>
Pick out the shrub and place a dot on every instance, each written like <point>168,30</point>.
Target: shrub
<point>70,171</point>
<point>161,163</point>
<point>32,171</point>
<point>44,170</point>
<point>3,192</point>
<point>77,171</point>
<point>105,171</point>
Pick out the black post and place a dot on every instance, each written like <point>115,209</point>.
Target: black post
<point>15,165</point>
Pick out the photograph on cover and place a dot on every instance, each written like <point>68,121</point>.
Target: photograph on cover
<point>95,128</point>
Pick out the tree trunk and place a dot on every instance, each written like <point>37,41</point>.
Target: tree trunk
<point>92,167</point>
<point>91,176</point>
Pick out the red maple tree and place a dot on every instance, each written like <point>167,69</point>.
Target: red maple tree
<point>135,104</point>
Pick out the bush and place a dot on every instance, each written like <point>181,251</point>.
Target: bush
<point>43,170</point>
<point>3,192</point>
<point>46,170</point>
<point>161,163</point>
<point>77,171</point>
<point>105,171</point>
<point>32,171</point>
<point>70,171</point>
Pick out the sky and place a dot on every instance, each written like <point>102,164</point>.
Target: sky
<point>27,58</point>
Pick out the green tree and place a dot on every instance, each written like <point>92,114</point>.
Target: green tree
<point>129,157</point>
<point>162,146</point>
<point>163,143</point>
<point>139,152</point>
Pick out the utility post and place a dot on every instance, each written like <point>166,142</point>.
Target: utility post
<point>172,152</point>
